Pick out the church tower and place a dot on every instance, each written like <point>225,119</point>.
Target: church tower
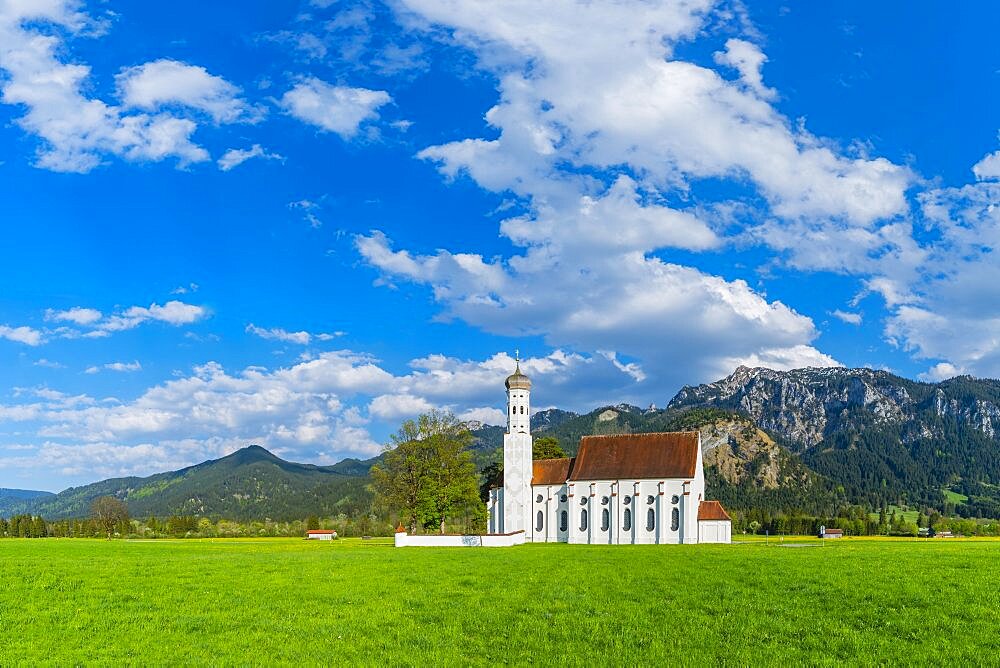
<point>517,454</point>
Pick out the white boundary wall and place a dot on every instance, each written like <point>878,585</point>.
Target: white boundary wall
<point>715,531</point>
<point>488,540</point>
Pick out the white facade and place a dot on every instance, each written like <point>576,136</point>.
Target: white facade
<point>618,511</point>
<point>551,504</point>
<point>715,531</point>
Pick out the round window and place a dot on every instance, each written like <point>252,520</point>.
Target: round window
<point>675,499</point>
<point>563,498</point>
<point>540,498</point>
<point>583,500</point>
<point>605,500</point>
<point>627,500</point>
<point>650,499</point>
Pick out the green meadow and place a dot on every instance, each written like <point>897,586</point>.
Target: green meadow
<point>223,602</point>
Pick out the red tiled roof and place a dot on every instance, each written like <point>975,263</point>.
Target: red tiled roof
<point>712,510</point>
<point>637,456</point>
<point>319,531</point>
<point>551,471</point>
<point>834,531</point>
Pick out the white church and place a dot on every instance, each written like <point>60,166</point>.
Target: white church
<point>622,489</point>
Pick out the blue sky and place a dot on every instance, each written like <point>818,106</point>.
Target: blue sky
<point>296,224</point>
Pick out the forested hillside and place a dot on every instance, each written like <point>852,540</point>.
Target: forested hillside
<point>880,438</point>
<point>250,484</point>
<point>11,499</point>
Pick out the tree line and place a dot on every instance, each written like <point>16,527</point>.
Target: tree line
<point>190,526</point>
<point>858,521</point>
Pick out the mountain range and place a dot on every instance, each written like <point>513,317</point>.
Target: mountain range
<point>249,484</point>
<point>808,440</point>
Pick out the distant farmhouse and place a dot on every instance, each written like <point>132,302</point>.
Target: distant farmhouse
<point>831,533</point>
<point>320,534</point>
<point>622,489</point>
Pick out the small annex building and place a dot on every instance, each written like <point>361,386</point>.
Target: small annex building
<point>619,489</point>
<point>320,534</point>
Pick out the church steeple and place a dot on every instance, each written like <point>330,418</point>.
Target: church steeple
<point>518,400</point>
<point>515,511</point>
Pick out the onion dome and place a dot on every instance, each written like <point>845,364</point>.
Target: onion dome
<point>517,380</point>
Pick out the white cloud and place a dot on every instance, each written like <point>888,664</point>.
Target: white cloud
<point>622,100</point>
<point>236,157</point>
<point>941,371</point>
<point>747,59</point>
<point>92,323</point>
<point>484,415</point>
<point>339,109</point>
<point>308,209</point>
<point>680,324</point>
<point>847,316</point>
<point>76,131</point>
<point>173,312</point>
<point>163,82</point>
<point>948,311</point>
<point>49,364</point>
<point>77,315</point>
<point>603,140</point>
<point>988,167</point>
<point>395,406</point>
<point>301,338</point>
<point>121,367</point>
<point>320,410</point>
<point>25,335</point>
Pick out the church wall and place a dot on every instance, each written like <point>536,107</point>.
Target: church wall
<point>551,501</point>
<point>596,497</point>
<point>495,508</point>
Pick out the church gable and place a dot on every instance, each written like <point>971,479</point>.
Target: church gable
<point>551,471</point>
<point>668,455</point>
<point>711,511</point>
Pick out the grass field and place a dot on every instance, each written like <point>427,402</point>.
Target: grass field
<point>362,603</point>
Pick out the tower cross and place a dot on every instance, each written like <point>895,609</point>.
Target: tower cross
<point>517,355</point>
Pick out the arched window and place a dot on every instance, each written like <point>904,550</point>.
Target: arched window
<point>627,522</point>
<point>563,520</point>
<point>605,520</point>
<point>675,519</point>
<point>583,520</point>
<point>539,520</point>
<point>650,520</point>
<point>522,410</point>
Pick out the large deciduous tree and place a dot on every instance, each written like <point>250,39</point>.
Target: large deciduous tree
<point>427,474</point>
<point>109,512</point>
